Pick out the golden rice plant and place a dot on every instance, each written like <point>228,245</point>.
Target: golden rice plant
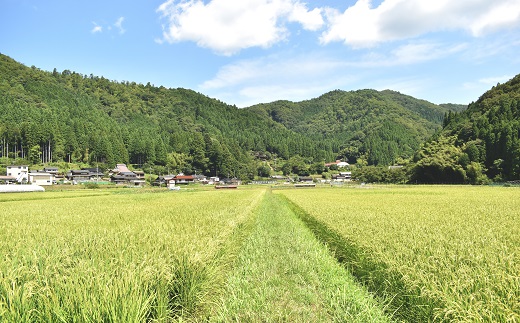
<point>114,257</point>
<point>456,248</point>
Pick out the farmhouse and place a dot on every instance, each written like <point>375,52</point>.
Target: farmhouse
<point>84,175</point>
<point>51,170</point>
<point>163,180</point>
<point>19,172</point>
<point>306,179</point>
<point>128,178</point>
<point>342,177</point>
<point>184,179</point>
<point>139,174</point>
<point>41,178</point>
<point>338,163</point>
<point>122,175</point>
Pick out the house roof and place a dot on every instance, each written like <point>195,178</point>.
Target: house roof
<point>80,171</point>
<point>187,177</point>
<point>122,168</point>
<point>40,174</point>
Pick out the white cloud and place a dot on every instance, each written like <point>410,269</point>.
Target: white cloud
<point>96,28</point>
<point>272,69</point>
<point>362,25</point>
<point>418,52</point>
<point>311,74</point>
<point>119,25</point>
<point>487,82</point>
<point>276,77</point>
<point>311,20</point>
<point>228,26</point>
<point>413,86</point>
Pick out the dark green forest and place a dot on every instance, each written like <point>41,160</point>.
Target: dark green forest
<point>476,145</point>
<point>366,127</point>
<point>64,116</point>
<point>55,117</point>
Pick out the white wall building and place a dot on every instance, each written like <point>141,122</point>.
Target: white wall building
<point>41,178</point>
<point>20,172</point>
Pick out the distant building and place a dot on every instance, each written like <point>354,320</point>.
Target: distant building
<point>127,178</point>
<point>122,175</point>
<point>184,179</point>
<point>7,180</point>
<point>338,163</point>
<point>163,180</point>
<point>51,170</point>
<point>85,175</point>
<point>139,174</point>
<point>41,178</point>
<point>19,172</point>
<point>342,177</point>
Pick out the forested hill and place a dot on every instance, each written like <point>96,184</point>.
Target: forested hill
<point>368,125</point>
<point>479,143</point>
<point>66,116</point>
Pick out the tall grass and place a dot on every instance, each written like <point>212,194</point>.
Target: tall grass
<point>456,249</point>
<point>115,257</point>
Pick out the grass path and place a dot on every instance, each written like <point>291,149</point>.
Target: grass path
<point>284,274</point>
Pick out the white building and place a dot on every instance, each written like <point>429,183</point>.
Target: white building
<point>41,178</point>
<point>19,172</point>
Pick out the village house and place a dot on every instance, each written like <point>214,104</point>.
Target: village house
<point>51,170</point>
<point>19,172</point>
<point>41,178</point>
<point>342,177</point>
<point>184,179</point>
<point>139,174</point>
<point>338,163</point>
<point>84,175</point>
<point>163,180</point>
<point>306,179</point>
<point>122,175</point>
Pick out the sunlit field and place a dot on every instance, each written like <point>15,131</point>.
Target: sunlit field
<point>436,252</point>
<point>114,256</point>
<point>328,254</point>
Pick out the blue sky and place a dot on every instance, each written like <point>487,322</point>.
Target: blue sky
<point>245,52</point>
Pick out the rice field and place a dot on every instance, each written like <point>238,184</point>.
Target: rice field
<point>371,254</point>
<point>436,253</point>
<point>96,257</point>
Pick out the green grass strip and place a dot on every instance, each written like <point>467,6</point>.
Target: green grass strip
<point>401,302</point>
<point>284,274</point>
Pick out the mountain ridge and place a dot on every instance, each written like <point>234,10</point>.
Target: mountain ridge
<point>89,118</point>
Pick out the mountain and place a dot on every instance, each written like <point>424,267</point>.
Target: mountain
<point>53,116</point>
<point>368,125</point>
<point>481,142</point>
<point>66,116</point>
